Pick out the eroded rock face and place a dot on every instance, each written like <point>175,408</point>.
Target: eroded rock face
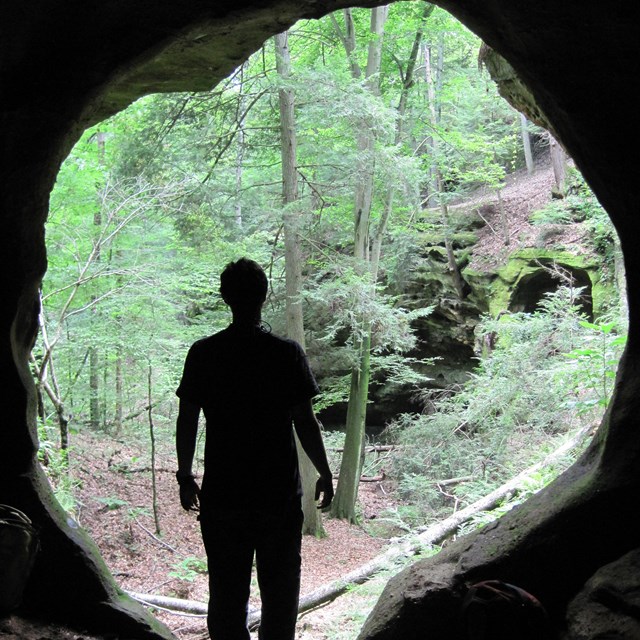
<point>512,88</point>
<point>67,64</point>
<point>609,604</point>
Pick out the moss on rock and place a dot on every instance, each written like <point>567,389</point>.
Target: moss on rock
<point>523,263</point>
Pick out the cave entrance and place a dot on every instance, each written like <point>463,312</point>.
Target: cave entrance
<point>57,555</point>
<point>532,288</point>
<point>108,397</point>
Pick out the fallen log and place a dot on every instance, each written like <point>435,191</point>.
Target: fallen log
<point>374,448</point>
<point>398,550</point>
<point>177,605</point>
<point>379,478</point>
<point>434,534</point>
<point>450,481</point>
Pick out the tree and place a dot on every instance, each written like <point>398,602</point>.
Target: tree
<point>293,260</point>
<point>526,144</point>
<point>559,164</point>
<point>373,159</point>
<point>101,267</point>
<point>347,489</point>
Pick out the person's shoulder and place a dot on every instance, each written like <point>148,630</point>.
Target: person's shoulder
<point>210,342</point>
<point>294,353</point>
<point>285,344</point>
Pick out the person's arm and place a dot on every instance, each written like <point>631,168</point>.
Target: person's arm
<point>186,432</point>
<point>308,430</point>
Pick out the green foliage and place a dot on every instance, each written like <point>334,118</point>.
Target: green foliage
<point>177,185</point>
<point>601,232</point>
<point>55,462</point>
<point>342,306</point>
<point>549,373</point>
<point>529,486</point>
<point>112,503</point>
<point>555,212</point>
<point>333,441</point>
<point>136,512</point>
<point>189,568</point>
<point>342,296</point>
<point>575,207</point>
<point>596,363</point>
<point>581,206</point>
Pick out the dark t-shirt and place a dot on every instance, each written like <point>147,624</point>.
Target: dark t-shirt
<point>246,382</point>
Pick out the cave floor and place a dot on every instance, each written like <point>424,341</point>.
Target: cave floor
<point>16,627</point>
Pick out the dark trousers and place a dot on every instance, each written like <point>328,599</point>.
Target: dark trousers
<point>231,538</point>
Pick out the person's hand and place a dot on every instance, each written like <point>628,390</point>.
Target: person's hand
<point>189,492</point>
<point>324,487</point>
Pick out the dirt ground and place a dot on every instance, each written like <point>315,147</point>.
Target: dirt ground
<point>115,505</point>
<point>522,195</point>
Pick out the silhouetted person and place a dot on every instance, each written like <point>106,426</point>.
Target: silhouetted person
<point>253,387</point>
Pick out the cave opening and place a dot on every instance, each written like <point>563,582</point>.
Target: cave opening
<point>458,354</point>
<point>25,266</point>
<point>534,287</point>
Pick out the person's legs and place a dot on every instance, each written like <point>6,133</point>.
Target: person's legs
<point>278,566</point>
<point>229,547</point>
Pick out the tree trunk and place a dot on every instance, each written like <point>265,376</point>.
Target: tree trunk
<point>119,369</point>
<point>454,270</point>
<point>240,149</point>
<point>435,110</point>
<point>504,222</point>
<point>408,79</point>
<point>344,503</point>
<point>152,439</point>
<point>526,144</point>
<point>559,164</point>
<point>52,389</point>
<point>94,385</point>
<point>53,393</point>
<point>117,417</point>
<point>293,262</point>
<point>176,605</point>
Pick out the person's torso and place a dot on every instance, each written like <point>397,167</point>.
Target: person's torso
<point>245,385</point>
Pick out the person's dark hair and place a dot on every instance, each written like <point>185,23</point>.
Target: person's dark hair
<point>243,283</point>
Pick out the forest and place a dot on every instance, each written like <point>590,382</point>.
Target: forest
<point>347,156</point>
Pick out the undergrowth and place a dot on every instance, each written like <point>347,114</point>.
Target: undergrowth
<point>549,374</point>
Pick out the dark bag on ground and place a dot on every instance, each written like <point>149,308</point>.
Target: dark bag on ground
<point>18,547</point>
<point>496,610</point>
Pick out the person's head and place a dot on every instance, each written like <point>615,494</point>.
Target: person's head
<point>243,286</point>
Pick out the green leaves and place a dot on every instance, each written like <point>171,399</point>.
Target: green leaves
<point>152,204</point>
<point>596,365</point>
<point>112,502</point>
<point>550,372</point>
<point>189,568</point>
